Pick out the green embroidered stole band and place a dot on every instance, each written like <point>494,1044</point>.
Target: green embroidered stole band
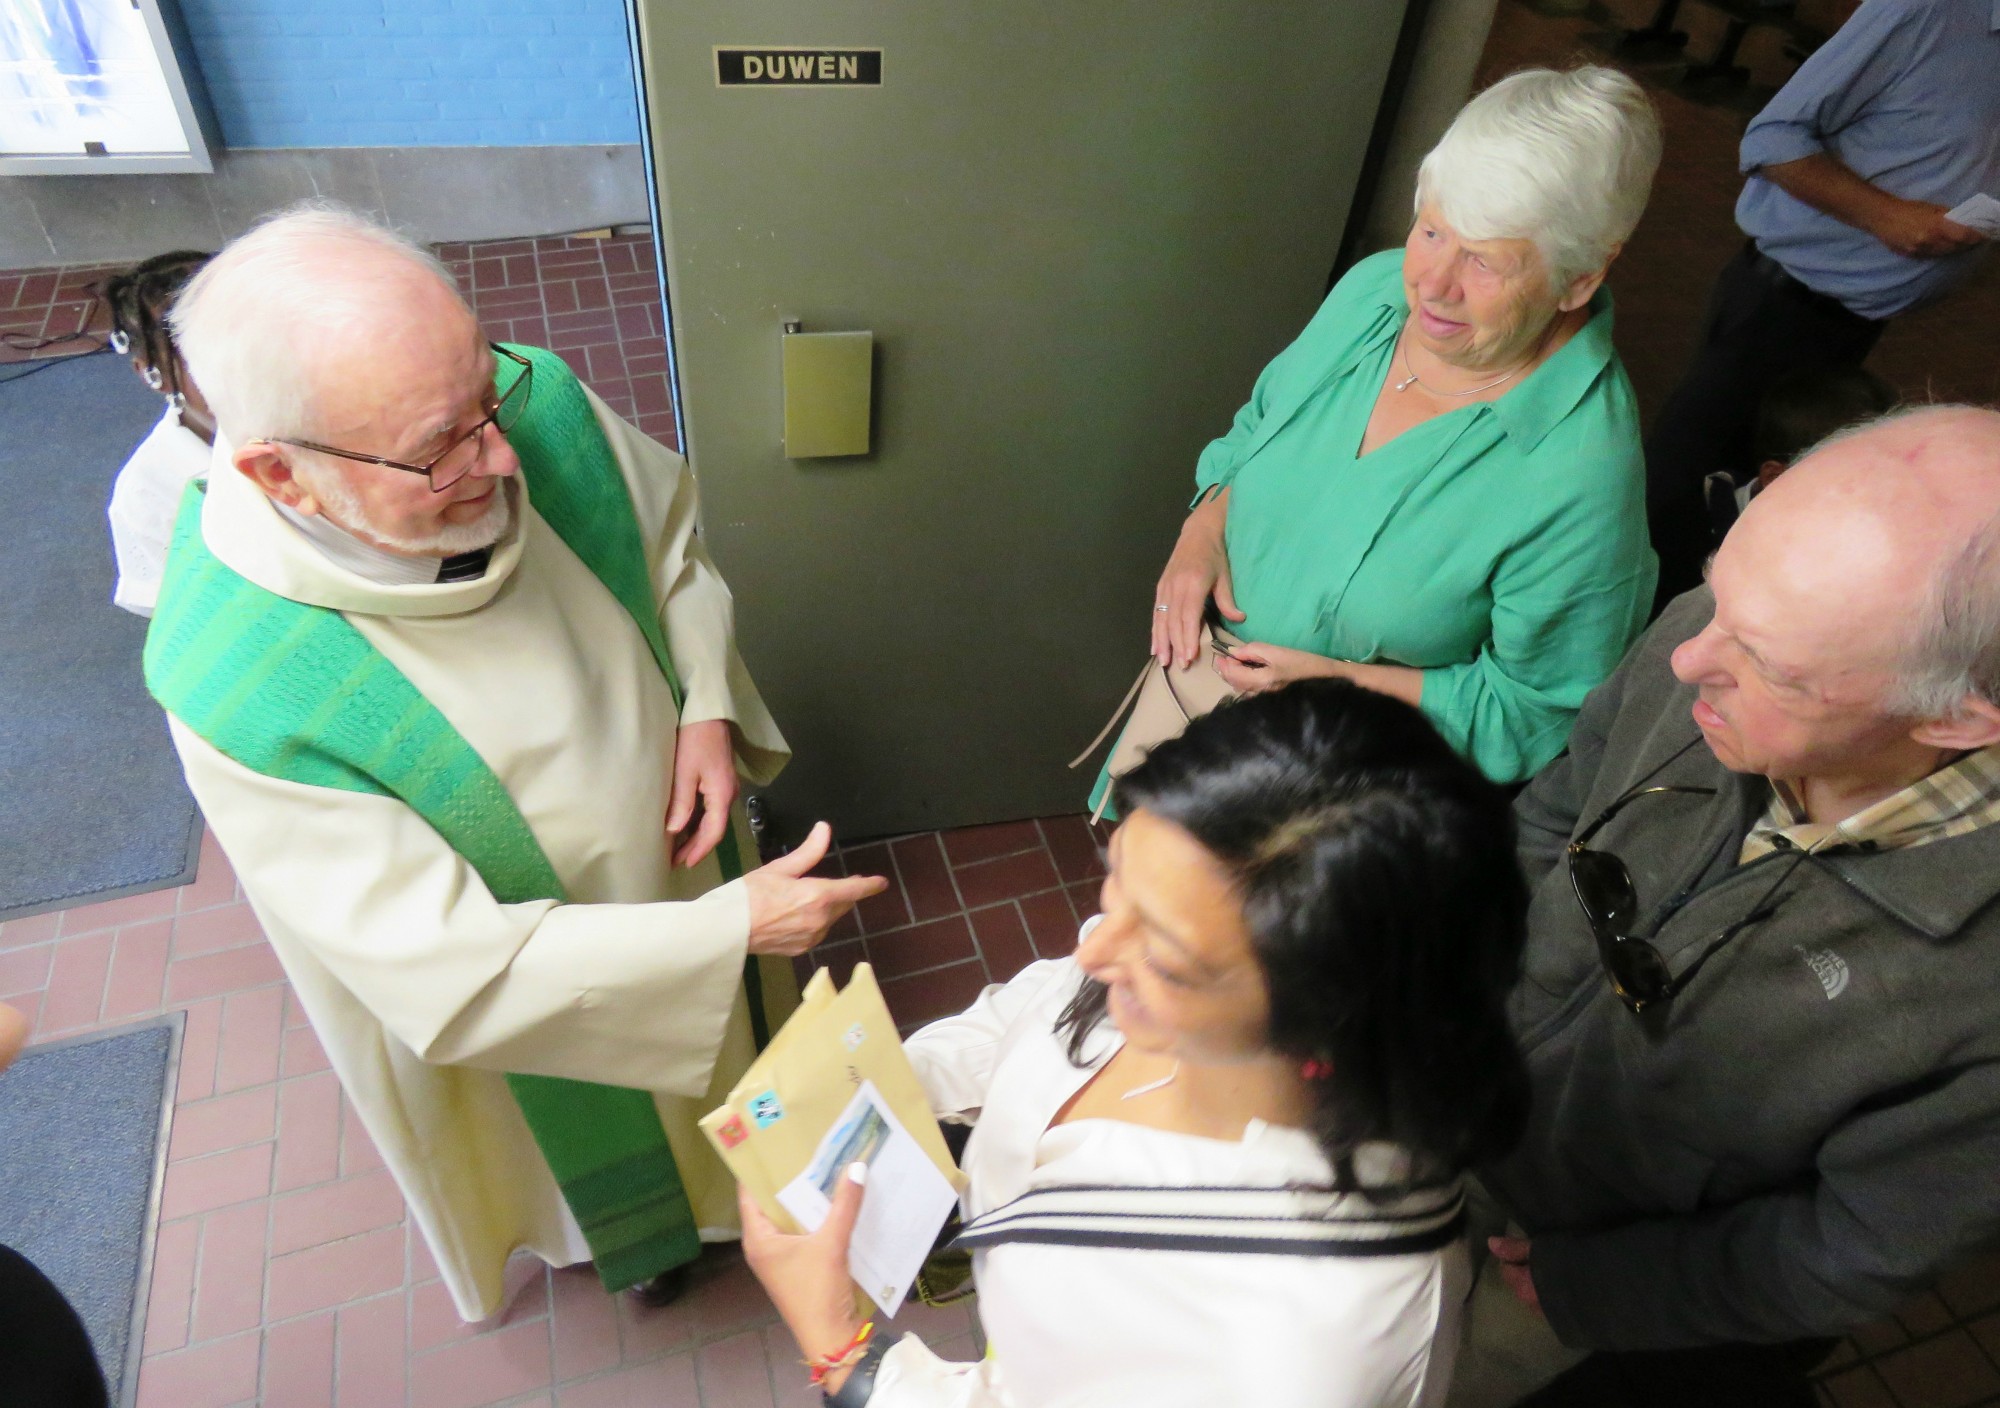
<point>295,692</point>
<point>579,491</point>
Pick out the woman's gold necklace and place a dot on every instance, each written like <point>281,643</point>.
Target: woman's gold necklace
<point>1414,380</point>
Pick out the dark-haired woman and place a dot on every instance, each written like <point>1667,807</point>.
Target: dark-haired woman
<point>1215,1153</point>
<point>147,493</point>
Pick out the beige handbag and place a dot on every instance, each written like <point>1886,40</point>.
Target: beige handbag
<point>1161,703</point>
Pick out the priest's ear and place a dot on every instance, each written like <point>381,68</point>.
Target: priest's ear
<point>267,465</point>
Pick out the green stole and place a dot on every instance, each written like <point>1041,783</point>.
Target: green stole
<point>295,692</point>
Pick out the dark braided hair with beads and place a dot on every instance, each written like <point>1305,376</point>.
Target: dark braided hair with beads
<point>1377,875</point>
<point>138,300</point>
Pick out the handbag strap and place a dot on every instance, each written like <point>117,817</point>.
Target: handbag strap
<point>1208,638</point>
<point>1118,715</point>
<point>1280,1221</point>
<point>1167,678</point>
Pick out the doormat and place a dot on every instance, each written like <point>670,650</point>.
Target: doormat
<point>92,804</point>
<point>84,1152</point>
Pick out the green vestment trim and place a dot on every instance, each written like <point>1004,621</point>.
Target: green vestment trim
<point>295,692</point>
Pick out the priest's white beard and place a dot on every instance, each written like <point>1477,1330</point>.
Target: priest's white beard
<point>343,507</point>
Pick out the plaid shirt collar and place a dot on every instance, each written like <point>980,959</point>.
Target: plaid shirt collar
<point>1952,801</point>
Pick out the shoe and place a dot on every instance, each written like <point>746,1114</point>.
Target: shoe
<point>663,1290</point>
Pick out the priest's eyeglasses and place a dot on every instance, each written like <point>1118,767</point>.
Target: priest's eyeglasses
<point>456,460</point>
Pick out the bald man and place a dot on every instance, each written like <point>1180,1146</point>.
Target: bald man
<point>455,684</point>
<point>1761,997</point>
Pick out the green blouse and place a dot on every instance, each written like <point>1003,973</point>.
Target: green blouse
<point>1501,547</point>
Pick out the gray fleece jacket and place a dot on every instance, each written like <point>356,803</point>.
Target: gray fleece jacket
<point>1807,1133</point>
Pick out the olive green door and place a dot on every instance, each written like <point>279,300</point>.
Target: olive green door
<point>1077,230</point>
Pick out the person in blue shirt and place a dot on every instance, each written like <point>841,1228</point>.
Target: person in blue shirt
<point>1852,169</point>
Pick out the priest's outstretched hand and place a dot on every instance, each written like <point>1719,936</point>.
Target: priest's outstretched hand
<point>790,911</point>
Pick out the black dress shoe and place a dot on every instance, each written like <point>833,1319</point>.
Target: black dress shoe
<point>663,1290</point>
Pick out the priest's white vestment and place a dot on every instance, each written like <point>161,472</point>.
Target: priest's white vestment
<point>423,988</point>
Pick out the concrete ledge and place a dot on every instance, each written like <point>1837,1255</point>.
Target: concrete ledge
<point>435,193</point>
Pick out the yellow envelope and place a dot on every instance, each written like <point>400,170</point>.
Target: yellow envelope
<point>795,1090</point>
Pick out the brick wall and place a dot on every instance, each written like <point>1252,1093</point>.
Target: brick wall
<point>416,73</point>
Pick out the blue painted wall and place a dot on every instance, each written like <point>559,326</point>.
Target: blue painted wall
<point>416,73</point>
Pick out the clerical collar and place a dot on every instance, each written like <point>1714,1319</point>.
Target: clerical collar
<point>465,566</point>
<point>363,559</point>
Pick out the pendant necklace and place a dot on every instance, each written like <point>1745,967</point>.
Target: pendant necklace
<point>1403,346</point>
<point>1152,1085</point>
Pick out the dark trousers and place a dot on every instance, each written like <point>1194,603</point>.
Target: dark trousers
<point>45,1355</point>
<point>1761,324</point>
<point>1718,1376</point>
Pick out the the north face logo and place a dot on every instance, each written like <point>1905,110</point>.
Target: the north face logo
<point>1829,967</point>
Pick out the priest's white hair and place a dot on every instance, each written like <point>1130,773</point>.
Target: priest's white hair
<point>251,323</point>
<point>1563,159</point>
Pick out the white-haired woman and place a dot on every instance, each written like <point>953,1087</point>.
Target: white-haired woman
<point>1437,491</point>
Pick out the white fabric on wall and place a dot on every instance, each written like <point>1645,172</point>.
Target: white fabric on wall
<point>144,499</point>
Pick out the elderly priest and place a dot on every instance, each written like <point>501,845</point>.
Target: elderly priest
<point>453,679</point>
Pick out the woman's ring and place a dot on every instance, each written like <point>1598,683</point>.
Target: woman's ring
<point>1159,608</point>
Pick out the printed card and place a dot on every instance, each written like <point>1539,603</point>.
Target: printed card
<point>907,1198</point>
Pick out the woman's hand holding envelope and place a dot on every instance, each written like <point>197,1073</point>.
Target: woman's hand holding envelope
<point>806,1274</point>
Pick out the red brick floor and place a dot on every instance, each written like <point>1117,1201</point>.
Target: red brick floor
<point>597,302</point>
<point>51,312</point>
<point>963,909</point>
